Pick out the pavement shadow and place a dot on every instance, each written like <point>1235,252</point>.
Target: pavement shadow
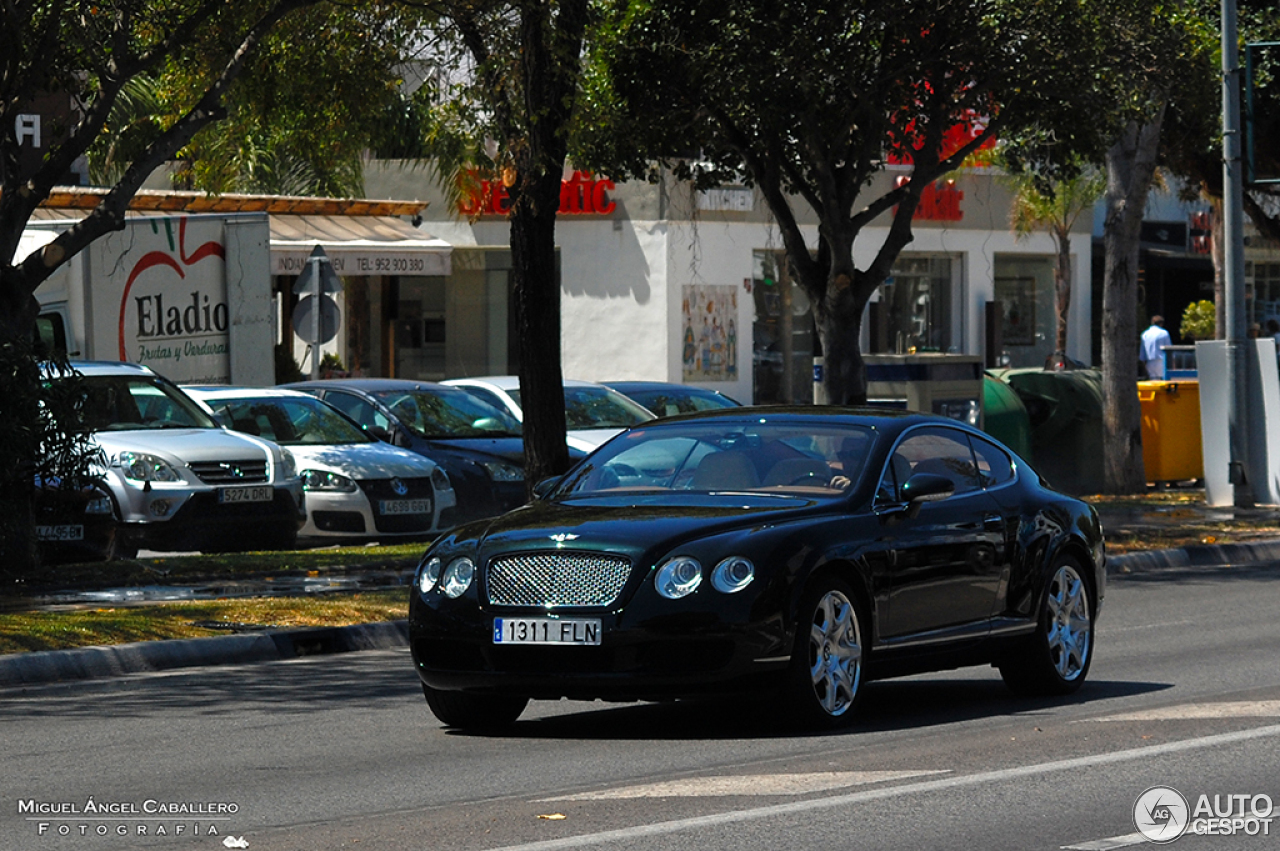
<point>888,705</point>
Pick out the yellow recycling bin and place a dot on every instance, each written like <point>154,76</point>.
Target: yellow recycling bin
<point>1171,448</point>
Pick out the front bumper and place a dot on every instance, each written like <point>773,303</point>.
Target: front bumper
<point>643,655</point>
<point>201,523</point>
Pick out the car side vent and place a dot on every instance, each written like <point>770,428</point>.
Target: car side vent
<point>230,472</point>
<point>554,579</point>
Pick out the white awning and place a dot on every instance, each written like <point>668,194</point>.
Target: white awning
<point>357,245</point>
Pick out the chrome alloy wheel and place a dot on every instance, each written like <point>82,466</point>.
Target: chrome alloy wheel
<point>835,653</point>
<point>1069,629</point>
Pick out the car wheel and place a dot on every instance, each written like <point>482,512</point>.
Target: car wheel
<point>120,547</point>
<point>474,711</point>
<point>1055,659</point>
<point>827,660</point>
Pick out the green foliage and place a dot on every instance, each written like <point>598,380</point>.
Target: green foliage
<point>45,441</point>
<point>1198,321</point>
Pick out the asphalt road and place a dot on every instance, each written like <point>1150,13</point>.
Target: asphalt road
<point>341,752</point>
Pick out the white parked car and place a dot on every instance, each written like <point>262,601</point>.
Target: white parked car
<point>356,485</point>
<point>177,479</point>
<point>593,413</point>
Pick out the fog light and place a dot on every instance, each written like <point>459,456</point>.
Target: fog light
<point>160,507</point>
<point>678,578</point>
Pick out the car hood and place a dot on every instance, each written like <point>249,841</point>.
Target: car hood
<point>509,449</point>
<point>633,524</point>
<point>362,460</point>
<point>184,444</point>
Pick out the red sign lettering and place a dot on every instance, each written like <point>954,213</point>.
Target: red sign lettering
<point>580,195</point>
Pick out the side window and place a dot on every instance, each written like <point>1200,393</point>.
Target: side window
<point>358,409</point>
<point>994,465</point>
<point>941,451</point>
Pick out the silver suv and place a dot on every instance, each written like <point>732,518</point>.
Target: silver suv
<point>179,480</point>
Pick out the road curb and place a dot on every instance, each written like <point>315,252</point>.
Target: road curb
<point>1200,555</point>
<point>85,663</point>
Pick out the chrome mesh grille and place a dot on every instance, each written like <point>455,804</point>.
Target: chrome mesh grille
<point>557,579</point>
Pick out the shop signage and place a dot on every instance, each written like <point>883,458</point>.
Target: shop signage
<point>580,195</point>
<point>939,202</point>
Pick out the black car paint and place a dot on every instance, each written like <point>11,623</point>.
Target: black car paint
<point>658,648</point>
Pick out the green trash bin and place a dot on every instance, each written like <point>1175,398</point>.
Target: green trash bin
<point>1065,410</point>
<point>1005,417</point>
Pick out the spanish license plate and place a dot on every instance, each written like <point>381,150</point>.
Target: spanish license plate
<point>263,493</point>
<point>60,533</point>
<point>404,506</point>
<point>546,630</point>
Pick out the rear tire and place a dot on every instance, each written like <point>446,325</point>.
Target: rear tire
<point>482,712</point>
<point>824,681</point>
<point>1055,659</point>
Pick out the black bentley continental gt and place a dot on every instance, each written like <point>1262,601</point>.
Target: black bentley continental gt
<point>794,551</point>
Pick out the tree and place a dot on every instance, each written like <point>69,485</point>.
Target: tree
<point>1055,208</point>
<point>523,63</point>
<point>805,99</point>
<point>87,54</point>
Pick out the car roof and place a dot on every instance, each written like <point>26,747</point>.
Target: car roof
<point>103,367</point>
<point>512,382</point>
<point>222,392</point>
<point>887,419</point>
<point>624,386</point>
<point>368,385</point>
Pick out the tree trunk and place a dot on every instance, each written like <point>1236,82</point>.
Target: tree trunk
<point>537,306</point>
<point>1062,285</point>
<point>1130,167</point>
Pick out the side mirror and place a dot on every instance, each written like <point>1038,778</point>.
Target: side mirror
<point>926,487</point>
<point>545,486</point>
<point>379,432</point>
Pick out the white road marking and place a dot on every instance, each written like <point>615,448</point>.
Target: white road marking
<point>943,784</point>
<point>747,784</point>
<point>1109,843</point>
<point>1226,709</point>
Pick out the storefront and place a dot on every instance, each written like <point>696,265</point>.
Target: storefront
<point>664,284</point>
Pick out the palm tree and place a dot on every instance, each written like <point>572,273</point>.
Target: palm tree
<point>1054,207</point>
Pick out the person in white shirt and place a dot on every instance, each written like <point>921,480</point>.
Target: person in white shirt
<point>1154,339</point>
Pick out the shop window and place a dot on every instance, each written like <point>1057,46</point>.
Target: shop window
<point>782,334</point>
<point>1024,290</point>
<point>918,305</point>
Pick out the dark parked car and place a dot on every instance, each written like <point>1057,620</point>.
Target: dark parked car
<point>800,551</point>
<point>73,523</point>
<point>666,399</point>
<point>478,446</point>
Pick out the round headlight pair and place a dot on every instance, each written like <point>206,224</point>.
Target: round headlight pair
<point>681,576</point>
<point>454,581</point>
<point>324,480</point>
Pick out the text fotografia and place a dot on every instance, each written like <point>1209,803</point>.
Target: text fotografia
<point>151,817</point>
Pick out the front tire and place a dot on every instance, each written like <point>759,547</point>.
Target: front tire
<point>1055,659</point>
<point>824,681</point>
<point>474,711</point>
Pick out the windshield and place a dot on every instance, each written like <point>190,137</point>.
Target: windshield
<point>446,412</point>
<point>597,407</point>
<point>289,421</point>
<point>667,403</point>
<point>127,402</point>
<point>714,456</point>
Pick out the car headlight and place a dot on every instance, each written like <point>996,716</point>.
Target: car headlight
<point>429,574</point>
<point>501,471</point>
<point>732,575</point>
<point>288,465</point>
<point>141,467</point>
<point>678,578</point>
<point>440,481</point>
<point>322,480</point>
<point>457,577</point>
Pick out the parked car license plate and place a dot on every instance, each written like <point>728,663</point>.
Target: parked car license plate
<point>60,533</point>
<point>404,506</point>
<point>546,630</point>
<point>262,493</point>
